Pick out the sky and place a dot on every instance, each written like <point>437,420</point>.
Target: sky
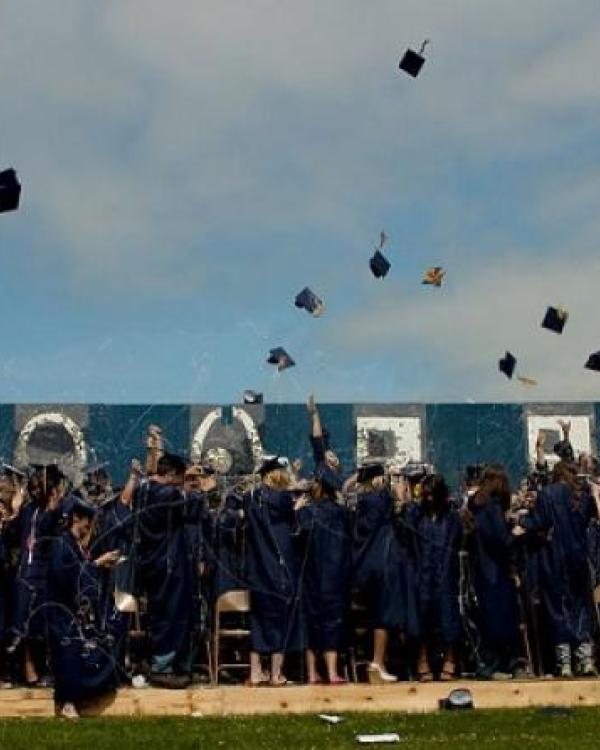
<point>188,167</point>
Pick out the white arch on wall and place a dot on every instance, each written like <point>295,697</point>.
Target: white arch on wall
<point>21,458</point>
<point>203,430</point>
<point>251,432</point>
<point>242,416</point>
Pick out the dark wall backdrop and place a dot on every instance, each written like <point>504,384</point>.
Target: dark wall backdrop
<point>452,435</point>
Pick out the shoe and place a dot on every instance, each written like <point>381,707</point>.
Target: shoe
<point>584,659</point>
<point>68,711</point>
<point>378,676</point>
<point>170,681</point>
<point>563,660</point>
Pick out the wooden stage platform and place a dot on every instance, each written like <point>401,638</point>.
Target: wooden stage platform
<point>228,701</point>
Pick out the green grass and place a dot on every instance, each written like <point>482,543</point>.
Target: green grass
<point>475,730</point>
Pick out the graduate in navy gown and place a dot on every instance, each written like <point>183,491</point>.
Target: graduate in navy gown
<point>438,531</point>
<point>323,454</point>
<point>81,649</point>
<point>561,517</point>
<point>272,573</point>
<point>381,567</point>
<point>491,551</point>
<point>33,529</point>
<point>165,575</point>
<point>326,536</point>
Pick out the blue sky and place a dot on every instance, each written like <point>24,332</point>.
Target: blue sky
<point>189,166</point>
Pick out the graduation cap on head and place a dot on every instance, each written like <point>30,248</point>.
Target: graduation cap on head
<point>379,265</point>
<point>412,61</point>
<point>10,191</point>
<point>80,507</point>
<point>593,362</point>
<point>369,472</point>
<point>507,364</point>
<point>252,397</point>
<point>309,301</point>
<point>555,319</point>
<point>94,467</point>
<point>281,358</point>
<point>9,470</point>
<point>272,463</point>
<point>434,276</point>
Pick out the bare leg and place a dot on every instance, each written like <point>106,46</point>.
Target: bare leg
<point>423,668</point>
<point>380,641</point>
<point>311,667</point>
<point>256,672</point>
<point>277,677</point>
<point>449,666</point>
<point>31,674</point>
<point>331,659</point>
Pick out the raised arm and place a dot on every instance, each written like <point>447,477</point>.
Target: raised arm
<point>154,443</point>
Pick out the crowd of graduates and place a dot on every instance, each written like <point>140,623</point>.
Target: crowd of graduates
<point>383,568</point>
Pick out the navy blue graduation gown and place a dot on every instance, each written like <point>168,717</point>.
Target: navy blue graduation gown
<point>491,559</point>
<point>327,568</point>
<point>383,570</point>
<point>164,570</point>
<point>5,582</point>
<point>564,573</point>
<point>272,570</point>
<point>34,529</point>
<point>82,656</point>
<point>228,553</point>
<point>438,541</point>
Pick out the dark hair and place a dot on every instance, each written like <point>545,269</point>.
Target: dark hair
<point>169,463</point>
<point>436,491</point>
<point>494,487</point>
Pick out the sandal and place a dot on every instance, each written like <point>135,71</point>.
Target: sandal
<point>338,681</point>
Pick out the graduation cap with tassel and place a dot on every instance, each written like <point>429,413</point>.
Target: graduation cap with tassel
<point>412,61</point>
<point>10,191</point>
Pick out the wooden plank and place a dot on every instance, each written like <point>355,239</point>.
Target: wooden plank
<point>298,699</point>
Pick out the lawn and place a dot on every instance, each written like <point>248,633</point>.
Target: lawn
<point>477,730</point>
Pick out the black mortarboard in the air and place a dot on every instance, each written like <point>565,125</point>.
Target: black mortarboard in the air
<point>412,61</point>
<point>555,319</point>
<point>309,301</point>
<point>593,362</point>
<point>252,397</point>
<point>281,358</point>
<point>10,190</point>
<point>370,471</point>
<point>379,265</point>
<point>507,364</point>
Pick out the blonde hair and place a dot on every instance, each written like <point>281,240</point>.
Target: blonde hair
<point>278,479</point>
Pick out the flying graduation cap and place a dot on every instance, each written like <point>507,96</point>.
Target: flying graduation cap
<point>252,397</point>
<point>593,362</point>
<point>10,191</point>
<point>555,319</point>
<point>434,276</point>
<point>281,358</point>
<point>507,365</point>
<point>412,61</point>
<point>526,381</point>
<point>309,301</point>
<point>379,265</point>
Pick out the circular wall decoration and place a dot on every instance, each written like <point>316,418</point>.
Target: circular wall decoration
<point>51,437</point>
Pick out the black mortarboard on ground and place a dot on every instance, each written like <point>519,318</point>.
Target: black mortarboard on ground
<point>252,397</point>
<point>412,61</point>
<point>309,301</point>
<point>507,364</point>
<point>555,319</point>
<point>369,472</point>
<point>379,265</point>
<point>10,191</point>
<point>593,362</point>
<point>281,358</point>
